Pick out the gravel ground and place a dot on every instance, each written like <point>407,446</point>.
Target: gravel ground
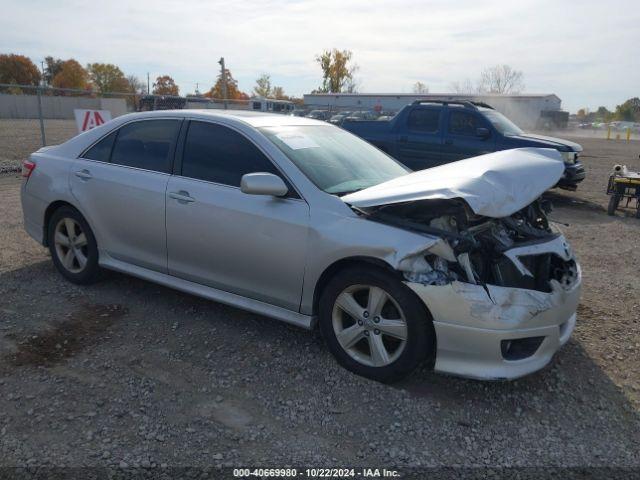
<point>125,373</point>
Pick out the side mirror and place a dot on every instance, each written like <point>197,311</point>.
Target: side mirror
<point>263,184</point>
<point>483,132</point>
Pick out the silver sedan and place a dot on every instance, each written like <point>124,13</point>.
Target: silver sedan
<point>457,266</point>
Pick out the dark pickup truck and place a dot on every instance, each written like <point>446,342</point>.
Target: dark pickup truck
<point>425,134</point>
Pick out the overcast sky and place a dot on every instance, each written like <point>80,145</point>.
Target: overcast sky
<point>587,54</point>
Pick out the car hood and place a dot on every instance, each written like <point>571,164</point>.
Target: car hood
<point>549,142</point>
<point>494,185</point>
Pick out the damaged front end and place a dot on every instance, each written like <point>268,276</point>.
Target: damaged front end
<point>502,291</point>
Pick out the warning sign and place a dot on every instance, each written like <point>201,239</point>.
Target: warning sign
<point>88,119</point>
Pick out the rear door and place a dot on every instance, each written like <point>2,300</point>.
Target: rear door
<point>251,245</point>
<point>461,134</point>
<point>419,144</point>
<point>120,185</point>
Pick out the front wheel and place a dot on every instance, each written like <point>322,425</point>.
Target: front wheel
<point>614,200</point>
<point>374,325</point>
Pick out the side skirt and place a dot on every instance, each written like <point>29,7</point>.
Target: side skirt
<point>255,306</point>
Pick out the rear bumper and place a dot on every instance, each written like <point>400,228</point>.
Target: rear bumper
<point>33,210</point>
<point>471,323</point>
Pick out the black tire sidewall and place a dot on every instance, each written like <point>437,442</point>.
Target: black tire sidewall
<point>91,271</point>
<point>614,200</point>
<point>421,339</point>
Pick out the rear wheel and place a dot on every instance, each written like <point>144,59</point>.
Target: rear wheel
<point>73,247</point>
<point>374,325</point>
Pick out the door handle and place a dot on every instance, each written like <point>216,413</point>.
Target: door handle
<point>182,197</point>
<point>84,174</point>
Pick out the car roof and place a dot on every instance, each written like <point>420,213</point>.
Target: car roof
<point>255,119</point>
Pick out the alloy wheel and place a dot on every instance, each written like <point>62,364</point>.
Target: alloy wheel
<point>369,325</point>
<point>71,245</point>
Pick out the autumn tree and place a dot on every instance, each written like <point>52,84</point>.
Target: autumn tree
<point>165,85</point>
<point>233,92</point>
<point>501,79</point>
<point>18,69</point>
<point>135,85</point>
<point>70,75</point>
<point>420,88</point>
<point>107,77</point>
<point>337,71</point>
<point>263,86</point>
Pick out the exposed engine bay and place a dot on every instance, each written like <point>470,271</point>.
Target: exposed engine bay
<point>520,251</point>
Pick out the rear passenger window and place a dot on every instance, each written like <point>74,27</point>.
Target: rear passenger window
<point>424,120</point>
<point>101,151</point>
<point>146,144</point>
<point>221,155</point>
<point>462,123</point>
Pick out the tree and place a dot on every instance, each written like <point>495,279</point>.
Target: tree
<point>51,69</point>
<point>465,87</point>
<point>263,86</point>
<point>629,111</point>
<point>603,114</point>
<point>107,78</point>
<point>278,93</point>
<point>420,88</point>
<point>135,85</point>
<point>165,85</point>
<point>70,75</point>
<point>18,69</point>
<point>582,114</point>
<point>233,93</point>
<point>337,71</point>
<point>501,79</point>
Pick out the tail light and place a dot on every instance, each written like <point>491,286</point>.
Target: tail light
<point>27,168</point>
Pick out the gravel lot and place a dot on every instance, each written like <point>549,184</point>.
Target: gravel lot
<point>129,374</point>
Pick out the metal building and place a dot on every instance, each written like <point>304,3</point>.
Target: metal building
<point>529,111</point>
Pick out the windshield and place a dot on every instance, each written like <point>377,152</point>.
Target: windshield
<point>502,123</point>
<point>334,160</point>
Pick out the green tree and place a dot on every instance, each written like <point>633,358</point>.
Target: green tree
<point>603,114</point>
<point>629,111</point>
<point>337,71</point>
<point>263,86</point>
<point>18,69</point>
<point>165,85</point>
<point>107,78</point>
<point>51,69</point>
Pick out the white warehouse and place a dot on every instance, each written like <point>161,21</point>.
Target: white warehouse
<point>526,110</point>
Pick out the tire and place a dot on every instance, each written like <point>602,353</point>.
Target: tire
<point>355,339</point>
<point>76,260</point>
<point>614,200</point>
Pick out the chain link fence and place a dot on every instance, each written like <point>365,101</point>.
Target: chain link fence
<point>36,116</point>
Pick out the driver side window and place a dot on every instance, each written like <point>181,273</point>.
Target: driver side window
<point>463,123</point>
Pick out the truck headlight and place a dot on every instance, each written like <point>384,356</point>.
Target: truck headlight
<point>569,157</point>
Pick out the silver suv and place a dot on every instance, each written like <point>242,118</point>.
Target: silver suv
<point>304,222</point>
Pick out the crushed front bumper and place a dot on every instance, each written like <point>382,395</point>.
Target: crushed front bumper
<point>474,324</point>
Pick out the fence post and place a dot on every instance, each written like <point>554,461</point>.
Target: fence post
<point>44,138</point>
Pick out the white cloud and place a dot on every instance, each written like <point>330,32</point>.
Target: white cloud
<point>583,51</point>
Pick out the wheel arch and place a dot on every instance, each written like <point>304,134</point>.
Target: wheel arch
<point>342,264</point>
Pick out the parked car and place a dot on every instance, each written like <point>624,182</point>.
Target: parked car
<point>304,222</point>
<point>338,118</point>
<point>427,134</point>
<point>318,114</point>
<point>362,115</point>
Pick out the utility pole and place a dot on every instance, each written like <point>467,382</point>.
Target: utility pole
<point>224,82</point>
<point>148,90</point>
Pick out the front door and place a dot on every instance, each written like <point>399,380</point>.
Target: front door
<point>461,136</point>
<point>420,144</point>
<point>251,245</point>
